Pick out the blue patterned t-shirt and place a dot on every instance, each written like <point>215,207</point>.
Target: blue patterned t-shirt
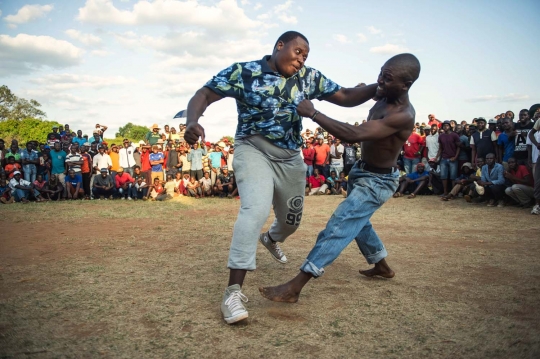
<point>266,100</point>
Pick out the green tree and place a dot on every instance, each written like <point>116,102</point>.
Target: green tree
<point>133,132</point>
<point>15,108</point>
<point>26,130</point>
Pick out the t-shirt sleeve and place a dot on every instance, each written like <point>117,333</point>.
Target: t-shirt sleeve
<point>472,140</point>
<point>537,125</point>
<point>320,87</point>
<point>493,136</point>
<point>228,82</point>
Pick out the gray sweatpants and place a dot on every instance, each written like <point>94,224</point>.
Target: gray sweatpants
<point>264,180</point>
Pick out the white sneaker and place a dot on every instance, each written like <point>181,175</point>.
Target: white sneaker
<point>122,198</point>
<point>536,209</point>
<point>129,198</point>
<point>273,248</point>
<point>232,308</point>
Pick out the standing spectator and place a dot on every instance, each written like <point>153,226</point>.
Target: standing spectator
<point>322,157</point>
<point>80,140</point>
<point>534,142</point>
<point>483,141</point>
<point>173,163</point>
<point>15,152</point>
<point>349,157</point>
<point>533,151</point>
<point>104,185</point>
<point>102,160</point>
<point>100,130</point>
<point>465,148</point>
<point>96,138</point>
<point>336,153</point>
<point>74,161</point>
<point>492,180</point>
<point>449,148</point>
<point>521,190</point>
<point>127,161</point>
<point>115,159</point>
<point>12,167</point>
<point>506,142</point>
<point>214,160</point>
<point>522,128</point>
<point>432,142</point>
<point>182,132</point>
<point>137,154</point>
<point>54,135</point>
<point>183,161</point>
<point>206,185</point>
<point>29,159</point>
<point>58,160</point>
<point>308,153</point>
<point>44,167</point>
<point>3,153</point>
<point>432,120</point>
<point>124,182</point>
<point>156,161</point>
<point>412,151</point>
<point>153,135</point>
<point>316,183</point>
<point>173,136</point>
<point>230,159</point>
<point>195,158</point>
<point>146,167</point>
<point>86,170</point>
<point>22,189</point>
<point>74,188</point>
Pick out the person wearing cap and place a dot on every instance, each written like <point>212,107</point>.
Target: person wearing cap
<point>104,185</point>
<point>449,148</point>
<point>126,159</point>
<point>492,125</point>
<point>215,161</point>
<point>414,182</point>
<point>80,140</point>
<point>153,135</point>
<point>224,186</point>
<point>96,138</point>
<point>521,189</point>
<point>461,183</point>
<point>22,189</point>
<point>123,182</point>
<point>483,141</point>
<point>54,134</point>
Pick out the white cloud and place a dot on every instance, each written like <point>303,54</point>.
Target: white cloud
<point>361,37</point>
<point>283,7</point>
<point>26,53</point>
<point>100,53</point>
<point>511,97</point>
<point>177,85</point>
<point>342,39</point>
<point>70,81</point>
<point>226,15</point>
<point>288,19</point>
<point>373,30</point>
<point>388,49</point>
<point>28,13</point>
<point>87,39</point>
<point>245,2</point>
<point>257,6</point>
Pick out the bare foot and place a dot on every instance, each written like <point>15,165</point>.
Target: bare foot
<point>281,293</point>
<point>381,269</point>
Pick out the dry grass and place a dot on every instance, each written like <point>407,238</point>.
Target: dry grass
<point>109,281</point>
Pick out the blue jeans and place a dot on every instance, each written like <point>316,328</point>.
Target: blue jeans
<point>367,192</point>
<point>19,194</point>
<point>124,192</point>
<point>410,164</point>
<point>448,166</point>
<point>309,171</point>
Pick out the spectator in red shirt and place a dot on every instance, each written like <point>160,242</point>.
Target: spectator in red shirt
<point>412,151</point>
<point>86,170</point>
<point>12,167</point>
<point>521,190</point>
<point>123,183</point>
<point>316,183</point>
<point>146,167</point>
<point>309,156</point>
<point>433,121</point>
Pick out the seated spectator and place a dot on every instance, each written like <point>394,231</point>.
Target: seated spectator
<point>342,184</point>
<point>316,184</point>
<point>22,189</point>
<point>332,182</point>
<point>140,189</point>
<point>206,185</point>
<point>55,189</point>
<point>223,186</point>
<point>11,167</point>
<point>435,183</point>
<point>123,182</point>
<point>521,189</point>
<point>415,183</point>
<point>104,185</point>
<point>74,188</point>
<point>170,186</point>
<point>471,193</point>
<point>492,181</point>
<point>5,192</point>
<point>41,185</point>
<point>194,188</point>
<point>182,188</point>
<point>461,182</point>
<point>157,192</point>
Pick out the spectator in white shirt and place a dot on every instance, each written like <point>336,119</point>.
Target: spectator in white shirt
<point>127,161</point>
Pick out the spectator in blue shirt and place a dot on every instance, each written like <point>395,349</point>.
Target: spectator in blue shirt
<point>195,157</point>
<point>29,159</point>
<point>156,161</point>
<point>506,142</point>
<point>80,140</point>
<point>215,161</point>
<point>492,180</point>
<point>414,183</point>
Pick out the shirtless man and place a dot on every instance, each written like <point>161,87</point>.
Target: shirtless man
<point>372,181</point>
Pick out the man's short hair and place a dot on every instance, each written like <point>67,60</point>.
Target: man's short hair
<point>289,36</point>
<point>407,65</point>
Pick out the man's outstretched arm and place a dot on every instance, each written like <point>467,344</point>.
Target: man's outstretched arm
<point>350,97</point>
<point>196,107</point>
<point>369,131</point>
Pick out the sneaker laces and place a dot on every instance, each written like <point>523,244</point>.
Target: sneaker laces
<point>234,302</point>
<point>276,247</point>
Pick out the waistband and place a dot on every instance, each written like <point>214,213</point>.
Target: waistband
<point>367,167</point>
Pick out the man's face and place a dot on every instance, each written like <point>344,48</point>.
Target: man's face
<point>446,127</point>
<point>523,116</point>
<point>84,149</point>
<point>217,148</point>
<point>459,128</point>
<point>290,57</point>
<point>79,133</point>
<point>196,145</point>
<point>17,177</point>
<point>427,131</point>
<point>390,84</point>
<point>506,124</point>
<point>155,130</point>
<point>101,150</point>
<point>338,142</point>
<point>120,173</point>
<point>206,175</point>
<point>420,168</point>
<point>57,146</point>
<point>29,147</point>
<point>96,137</point>
<point>480,125</point>
<point>510,115</point>
<point>225,171</point>
<point>316,172</point>
<point>66,127</point>
<point>490,160</point>
<point>126,144</point>
<point>71,174</point>
<point>74,148</point>
<point>173,130</point>
<point>536,115</point>
<point>13,148</point>
<point>434,129</point>
<point>332,174</point>
<point>115,149</point>
<point>480,162</point>
<point>55,129</point>
<point>512,164</point>
<point>103,174</point>
<point>320,141</point>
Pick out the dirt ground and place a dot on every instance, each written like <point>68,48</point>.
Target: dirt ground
<point>145,280</point>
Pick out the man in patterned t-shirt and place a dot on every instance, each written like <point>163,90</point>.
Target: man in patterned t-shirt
<point>268,167</point>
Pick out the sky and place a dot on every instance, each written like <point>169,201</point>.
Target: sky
<point>112,62</point>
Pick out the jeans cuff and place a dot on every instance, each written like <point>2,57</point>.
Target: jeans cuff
<point>309,267</point>
<point>377,257</point>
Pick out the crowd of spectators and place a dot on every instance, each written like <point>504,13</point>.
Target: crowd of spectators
<point>486,161</point>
